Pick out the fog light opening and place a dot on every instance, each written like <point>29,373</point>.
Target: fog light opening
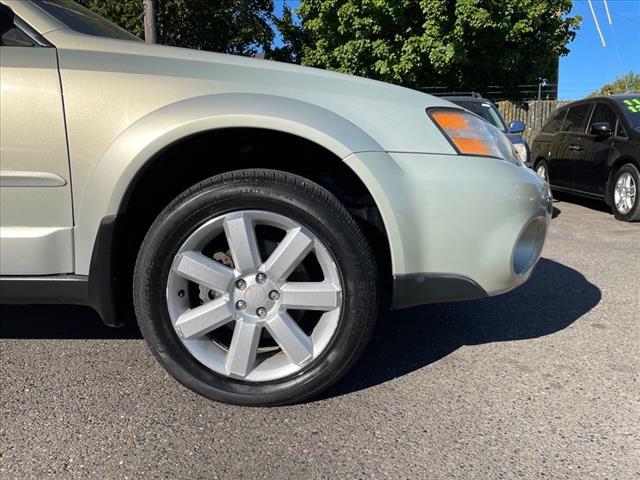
<point>528,248</point>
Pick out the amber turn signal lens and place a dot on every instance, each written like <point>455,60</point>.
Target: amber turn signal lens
<point>471,145</point>
<point>465,131</point>
<point>451,120</point>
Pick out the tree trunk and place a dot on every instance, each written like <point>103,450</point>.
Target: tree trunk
<point>150,33</point>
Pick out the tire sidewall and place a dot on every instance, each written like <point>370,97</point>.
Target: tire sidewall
<point>209,200</point>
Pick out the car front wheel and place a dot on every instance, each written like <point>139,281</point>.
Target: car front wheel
<point>624,193</point>
<point>256,287</point>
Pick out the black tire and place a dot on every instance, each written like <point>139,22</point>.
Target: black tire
<point>634,214</point>
<point>285,194</point>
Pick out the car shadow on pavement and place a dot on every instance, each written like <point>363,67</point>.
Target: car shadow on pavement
<point>591,203</point>
<point>406,340</point>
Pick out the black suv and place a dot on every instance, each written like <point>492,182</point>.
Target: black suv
<point>592,148</point>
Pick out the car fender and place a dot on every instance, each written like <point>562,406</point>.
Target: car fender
<point>151,134</point>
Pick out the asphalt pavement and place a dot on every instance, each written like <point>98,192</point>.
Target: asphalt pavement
<point>542,382</point>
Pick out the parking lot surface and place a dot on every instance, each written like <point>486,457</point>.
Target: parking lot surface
<point>542,382</point>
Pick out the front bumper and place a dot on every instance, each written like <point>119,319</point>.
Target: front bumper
<point>459,227</point>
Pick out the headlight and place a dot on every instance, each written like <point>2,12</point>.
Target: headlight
<point>521,151</point>
<point>470,135</point>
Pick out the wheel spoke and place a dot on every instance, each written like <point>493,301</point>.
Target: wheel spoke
<point>310,296</point>
<point>201,320</point>
<point>241,236</point>
<point>293,248</point>
<point>201,269</point>
<point>243,349</point>
<point>296,345</point>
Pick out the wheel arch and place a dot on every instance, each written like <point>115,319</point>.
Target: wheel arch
<point>615,166</point>
<point>145,140</point>
<point>310,153</point>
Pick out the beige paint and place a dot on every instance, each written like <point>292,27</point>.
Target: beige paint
<point>126,101</point>
<point>29,250</point>
<point>453,214</point>
<point>34,166</point>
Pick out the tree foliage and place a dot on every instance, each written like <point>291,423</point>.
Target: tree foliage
<point>294,38</point>
<point>425,43</point>
<point>629,82</point>
<point>232,26</point>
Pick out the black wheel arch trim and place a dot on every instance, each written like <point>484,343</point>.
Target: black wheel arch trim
<point>422,288</point>
<point>96,290</point>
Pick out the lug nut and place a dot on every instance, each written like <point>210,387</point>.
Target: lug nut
<point>262,312</point>
<point>211,294</point>
<point>261,278</point>
<point>241,284</point>
<point>241,304</point>
<point>274,295</point>
<point>181,293</point>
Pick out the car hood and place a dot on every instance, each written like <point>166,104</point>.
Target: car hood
<point>393,116</point>
<point>255,73</point>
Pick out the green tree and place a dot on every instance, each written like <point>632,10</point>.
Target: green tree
<point>294,38</point>
<point>231,26</point>
<point>425,43</point>
<point>622,84</point>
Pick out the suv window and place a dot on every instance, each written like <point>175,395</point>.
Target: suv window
<point>604,113</point>
<point>576,118</point>
<point>553,125</point>
<point>10,34</point>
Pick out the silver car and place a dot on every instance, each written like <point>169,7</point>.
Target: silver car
<point>254,215</point>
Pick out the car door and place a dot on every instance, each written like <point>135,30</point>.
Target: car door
<point>567,144</point>
<point>36,223</point>
<point>545,143</point>
<point>560,174</point>
<point>590,163</point>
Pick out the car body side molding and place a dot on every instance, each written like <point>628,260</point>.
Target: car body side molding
<point>45,289</point>
<point>14,178</point>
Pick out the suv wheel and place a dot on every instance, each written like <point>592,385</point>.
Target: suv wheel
<point>256,287</point>
<point>624,193</point>
<point>542,170</point>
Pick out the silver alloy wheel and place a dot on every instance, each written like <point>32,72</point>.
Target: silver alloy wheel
<point>624,194</point>
<point>541,170</point>
<point>253,296</point>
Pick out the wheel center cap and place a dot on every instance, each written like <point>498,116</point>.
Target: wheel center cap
<point>255,295</point>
